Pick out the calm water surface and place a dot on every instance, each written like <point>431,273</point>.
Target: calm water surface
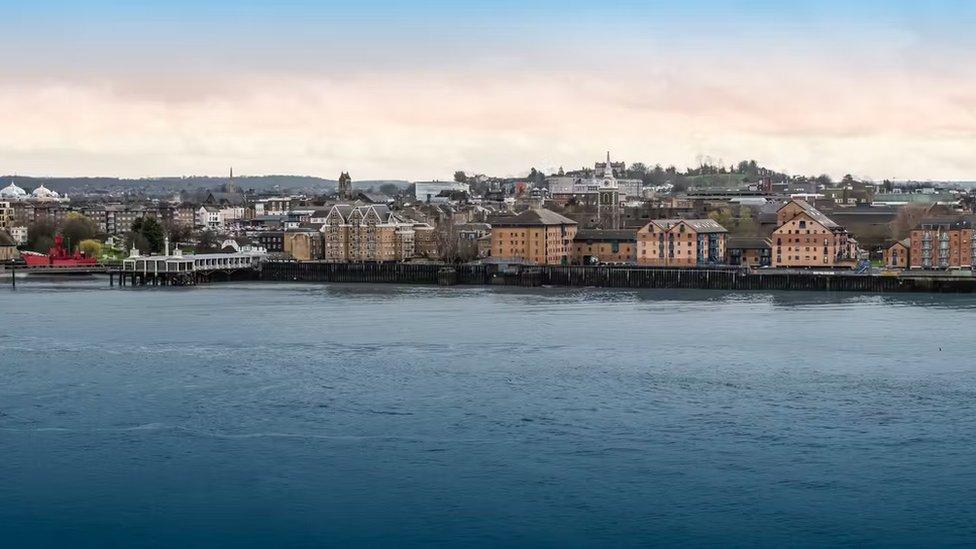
<point>307,415</point>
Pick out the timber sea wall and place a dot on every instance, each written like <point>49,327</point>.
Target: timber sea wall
<point>609,277</point>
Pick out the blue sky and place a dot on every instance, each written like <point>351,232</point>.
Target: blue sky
<point>418,89</point>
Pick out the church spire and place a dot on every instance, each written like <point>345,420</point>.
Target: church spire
<point>608,168</point>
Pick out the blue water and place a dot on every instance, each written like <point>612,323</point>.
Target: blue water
<point>289,415</point>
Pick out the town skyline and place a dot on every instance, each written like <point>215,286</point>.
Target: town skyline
<point>406,90</point>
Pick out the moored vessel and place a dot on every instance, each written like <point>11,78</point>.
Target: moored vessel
<point>58,257</point>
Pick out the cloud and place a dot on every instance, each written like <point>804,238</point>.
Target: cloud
<point>803,115</point>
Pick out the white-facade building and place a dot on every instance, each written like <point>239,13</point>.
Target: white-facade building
<point>603,177</point>
<point>213,217</point>
<point>209,217</point>
<point>428,191</point>
<point>19,234</point>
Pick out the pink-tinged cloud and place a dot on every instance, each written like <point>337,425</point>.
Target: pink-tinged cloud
<point>807,114</point>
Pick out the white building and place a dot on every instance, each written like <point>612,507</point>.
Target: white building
<point>278,205</point>
<point>209,217</point>
<point>231,213</point>
<point>19,234</point>
<point>603,176</point>
<point>427,191</point>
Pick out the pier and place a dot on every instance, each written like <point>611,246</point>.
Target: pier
<point>186,270</point>
<point>718,278</point>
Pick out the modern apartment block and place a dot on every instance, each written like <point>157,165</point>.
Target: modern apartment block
<point>681,243</point>
<point>805,238</point>
<point>536,235</point>
<point>943,243</point>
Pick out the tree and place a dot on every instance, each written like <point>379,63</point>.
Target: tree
<point>76,228</point>
<point>447,240</point>
<point>134,239</point>
<point>460,177</point>
<point>178,232</point>
<point>40,236</point>
<point>92,248</point>
<point>389,189</point>
<point>207,241</point>
<point>535,176</point>
<point>746,225</point>
<point>722,218</point>
<point>152,231</point>
<point>907,218</point>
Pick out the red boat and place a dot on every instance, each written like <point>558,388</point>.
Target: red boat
<point>58,257</point>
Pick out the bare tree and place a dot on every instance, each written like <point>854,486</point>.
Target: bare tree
<point>447,239</point>
<point>908,217</point>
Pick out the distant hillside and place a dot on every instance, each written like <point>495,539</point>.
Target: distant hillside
<point>170,185</point>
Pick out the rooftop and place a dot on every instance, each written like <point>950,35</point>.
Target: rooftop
<point>814,213</point>
<point>608,235</point>
<point>535,217</point>
<point>748,243</point>
<point>698,225</point>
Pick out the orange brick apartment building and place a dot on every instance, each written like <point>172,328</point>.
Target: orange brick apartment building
<point>537,235</point>
<point>593,246</point>
<point>943,243</point>
<point>897,255</point>
<point>805,238</point>
<point>681,243</point>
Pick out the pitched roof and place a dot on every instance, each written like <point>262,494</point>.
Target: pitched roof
<point>6,239</point>
<point>952,221</point>
<point>234,199</point>
<point>814,213</point>
<point>535,217</point>
<point>374,198</point>
<point>748,243</point>
<point>605,235</point>
<point>698,225</point>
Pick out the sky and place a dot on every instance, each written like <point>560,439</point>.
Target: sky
<point>415,90</point>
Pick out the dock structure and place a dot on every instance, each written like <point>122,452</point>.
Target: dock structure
<point>712,278</point>
<point>185,270</point>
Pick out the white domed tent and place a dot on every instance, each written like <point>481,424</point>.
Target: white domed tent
<point>43,193</point>
<point>12,191</point>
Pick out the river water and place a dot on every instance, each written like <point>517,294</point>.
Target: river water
<point>287,415</point>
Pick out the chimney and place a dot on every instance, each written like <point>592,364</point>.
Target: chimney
<point>166,245</point>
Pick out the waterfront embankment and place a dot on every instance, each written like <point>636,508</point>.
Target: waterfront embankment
<point>610,277</point>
